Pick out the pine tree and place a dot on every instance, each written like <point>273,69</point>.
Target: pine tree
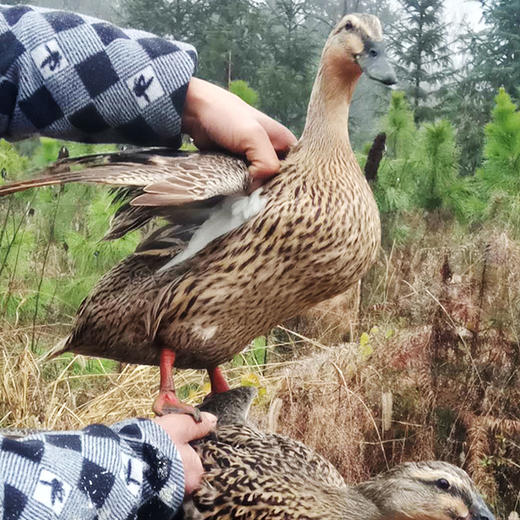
<point>292,50</point>
<point>418,39</point>
<point>395,187</point>
<point>468,108</point>
<point>181,19</point>
<point>437,159</point>
<point>329,12</point>
<point>231,42</point>
<point>493,56</point>
<point>496,49</point>
<point>498,181</point>
<point>501,168</point>
<point>420,167</point>
<point>399,127</point>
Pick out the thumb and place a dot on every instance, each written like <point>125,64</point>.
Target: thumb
<point>182,428</point>
<point>192,430</point>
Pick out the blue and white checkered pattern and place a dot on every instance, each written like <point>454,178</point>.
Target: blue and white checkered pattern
<point>75,77</point>
<point>130,471</point>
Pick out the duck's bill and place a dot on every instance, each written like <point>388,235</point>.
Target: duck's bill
<point>375,65</point>
<point>480,511</point>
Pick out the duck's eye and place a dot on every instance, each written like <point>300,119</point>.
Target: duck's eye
<point>372,53</point>
<point>442,483</point>
<point>348,26</point>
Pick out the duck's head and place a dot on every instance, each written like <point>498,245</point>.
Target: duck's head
<point>432,490</point>
<point>356,45</point>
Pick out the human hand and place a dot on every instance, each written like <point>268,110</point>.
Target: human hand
<point>182,429</point>
<point>215,118</point>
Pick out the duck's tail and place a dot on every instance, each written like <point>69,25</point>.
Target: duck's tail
<point>61,347</point>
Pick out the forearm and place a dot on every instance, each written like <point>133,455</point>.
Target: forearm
<point>75,77</point>
<point>131,470</point>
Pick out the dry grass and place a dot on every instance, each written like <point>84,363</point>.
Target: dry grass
<point>332,321</point>
<point>72,391</point>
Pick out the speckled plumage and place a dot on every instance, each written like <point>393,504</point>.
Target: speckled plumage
<point>252,474</point>
<point>211,306</point>
<point>318,234</point>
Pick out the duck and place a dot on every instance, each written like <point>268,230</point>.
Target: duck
<point>231,264</point>
<point>252,474</point>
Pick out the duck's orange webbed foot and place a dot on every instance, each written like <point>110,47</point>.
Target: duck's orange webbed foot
<point>167,400</point>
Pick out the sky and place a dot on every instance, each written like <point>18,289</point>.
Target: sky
<point>456,10</point>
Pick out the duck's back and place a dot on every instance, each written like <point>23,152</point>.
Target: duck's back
<point>251,475</point>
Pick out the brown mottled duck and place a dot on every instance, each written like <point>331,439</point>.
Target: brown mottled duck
<point>251,474</point>
<point>231,265</point>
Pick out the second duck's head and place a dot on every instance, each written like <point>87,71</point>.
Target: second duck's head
<point>433,490</point>
<point>356,45</point>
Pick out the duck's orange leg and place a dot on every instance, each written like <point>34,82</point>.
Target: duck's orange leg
<point>167,400</point>
<point>217,380</point>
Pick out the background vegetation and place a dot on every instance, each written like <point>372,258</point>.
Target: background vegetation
<point>432,364</point>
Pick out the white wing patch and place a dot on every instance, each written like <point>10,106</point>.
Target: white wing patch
<point>231,214</point>
<point>205,333</point>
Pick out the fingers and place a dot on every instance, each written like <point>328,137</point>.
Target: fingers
<point>260,153</point>
<point>191,430</point>
<point>264,146</point>
<point>281,137</point>
<point>215,118</point>
<point>182,428</point>
<point>193,469</point>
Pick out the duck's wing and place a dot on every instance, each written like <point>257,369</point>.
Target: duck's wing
<point>167,177</point>
<point>254,474</point>
<point>180,186</point>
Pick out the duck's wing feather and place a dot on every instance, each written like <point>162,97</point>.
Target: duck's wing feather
<point>182,187</point>
<point>165,176</point>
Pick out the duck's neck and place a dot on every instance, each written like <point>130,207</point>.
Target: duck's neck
<point>326,128</point>
<point>388,505</point>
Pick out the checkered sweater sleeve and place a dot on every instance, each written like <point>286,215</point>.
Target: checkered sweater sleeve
<point>128,471</point>
<point>75,77</point>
